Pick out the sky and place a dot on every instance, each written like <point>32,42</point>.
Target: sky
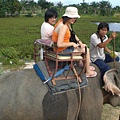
<point>68,2</point>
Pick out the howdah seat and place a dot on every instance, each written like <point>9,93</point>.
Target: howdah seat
<point>57,62</point>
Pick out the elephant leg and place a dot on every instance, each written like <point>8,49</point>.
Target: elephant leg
<point>61,106</point>
<point>92,102</point>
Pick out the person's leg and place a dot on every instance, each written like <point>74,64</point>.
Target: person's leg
<point>102,66</point>
<point>79,50</point>
<point>108,58</point>
<point>89,72</point>
<point>68,49</point>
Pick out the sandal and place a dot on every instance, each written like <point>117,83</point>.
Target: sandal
<point>93,75</point>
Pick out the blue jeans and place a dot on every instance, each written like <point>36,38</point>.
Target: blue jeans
<point>102,63</point>
<point>68,49</point>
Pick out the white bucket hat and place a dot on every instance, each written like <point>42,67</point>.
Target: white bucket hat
<point>71,12</point>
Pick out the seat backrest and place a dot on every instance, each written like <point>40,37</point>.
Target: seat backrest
<point>41,43</point>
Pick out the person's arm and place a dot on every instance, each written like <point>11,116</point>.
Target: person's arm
<point>103,45</point>
<point>80,42</point>
<point>61,33</point>
<point>107,50</point>
<point>77,39</point>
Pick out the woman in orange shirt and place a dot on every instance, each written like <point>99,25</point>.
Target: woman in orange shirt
<point>61,36</point>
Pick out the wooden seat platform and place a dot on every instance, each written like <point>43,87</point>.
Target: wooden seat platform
<point>54,56</point>
<point>68,58</point>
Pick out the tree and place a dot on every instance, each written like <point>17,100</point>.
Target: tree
<point>95,7</point>
<point>2,9</point>
<point>30,5</point>
<point>117,9</point>
<point>60,4</point>
<point>9,6</point>
<point>15,6</point>
<point>84,7</point>
<point>105,8</point>
<point>44,4</point>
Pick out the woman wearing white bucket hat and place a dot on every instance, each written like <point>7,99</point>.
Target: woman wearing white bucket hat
<point>61,36</point>
<point>71,12</point>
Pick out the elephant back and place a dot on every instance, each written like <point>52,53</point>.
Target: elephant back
<point>23,96</point>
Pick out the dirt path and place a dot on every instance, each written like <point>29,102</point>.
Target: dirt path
<point>29,65</point>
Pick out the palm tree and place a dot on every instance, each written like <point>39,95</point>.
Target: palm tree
<point>105,8</point>
<point>60,4</point>
<point>44,4</point>
<point>84,7</point>
<point>95,7</point>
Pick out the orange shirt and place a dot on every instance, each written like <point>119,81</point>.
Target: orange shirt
<point>55,37</point>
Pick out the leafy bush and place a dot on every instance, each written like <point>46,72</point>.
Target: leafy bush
<point>9,56</point>
<point>29,15</point>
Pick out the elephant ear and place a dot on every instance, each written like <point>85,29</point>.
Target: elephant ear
<point>112,81</point>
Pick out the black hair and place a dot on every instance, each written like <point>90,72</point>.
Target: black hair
<point>49,14</point>
<point>103,25</point>
<point>65,19</point>
<point>100,26</point>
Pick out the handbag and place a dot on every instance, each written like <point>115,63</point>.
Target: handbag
<point>72,37</point>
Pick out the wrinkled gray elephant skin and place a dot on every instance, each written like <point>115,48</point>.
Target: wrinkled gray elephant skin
<point>23,96</point>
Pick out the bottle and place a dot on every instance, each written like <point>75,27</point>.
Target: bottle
<point>41,53</point>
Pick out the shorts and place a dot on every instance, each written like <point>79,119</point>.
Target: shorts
<point>68,49</point>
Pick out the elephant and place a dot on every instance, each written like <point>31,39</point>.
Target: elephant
<point>23,96</point>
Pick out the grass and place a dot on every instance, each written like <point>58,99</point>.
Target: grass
<point>84,26</point>
<point>21,32</point>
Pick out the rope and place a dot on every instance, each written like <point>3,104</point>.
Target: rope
<point>79,91</point>
<point>79,102</point>
<point>114,53</point>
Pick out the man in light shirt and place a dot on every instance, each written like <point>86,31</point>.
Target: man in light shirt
<point>98,47</point>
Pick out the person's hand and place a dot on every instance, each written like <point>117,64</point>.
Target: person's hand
<point>113,35</point>
<point>83,45</point>
<point>75,45</point>
<point>113,54</point>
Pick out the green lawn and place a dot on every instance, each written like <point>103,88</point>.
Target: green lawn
<point>20,33</point>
